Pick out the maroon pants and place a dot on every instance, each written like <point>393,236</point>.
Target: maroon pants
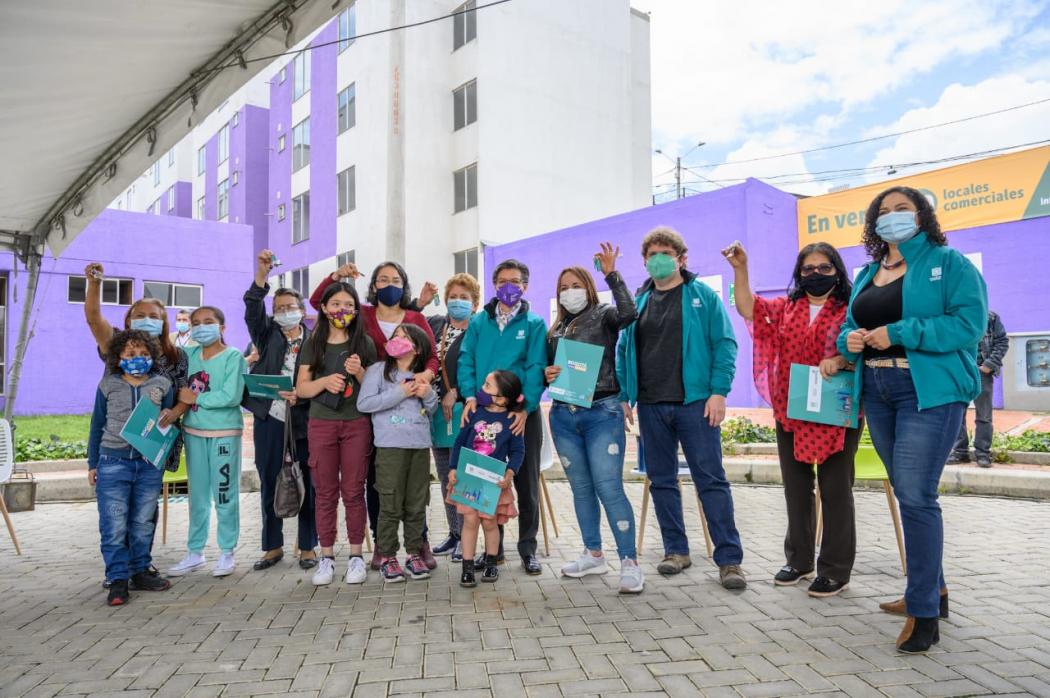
<point>339,455</point>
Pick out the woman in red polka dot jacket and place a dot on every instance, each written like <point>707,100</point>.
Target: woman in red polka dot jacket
<point>801,328</point>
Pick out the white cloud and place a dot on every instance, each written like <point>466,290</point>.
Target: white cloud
<point>958,101</point>
<point>721,71</point>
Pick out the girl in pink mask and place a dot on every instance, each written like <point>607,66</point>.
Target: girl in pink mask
<point>401,407</point>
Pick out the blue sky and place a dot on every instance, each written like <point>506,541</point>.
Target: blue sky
<point>753,79</point>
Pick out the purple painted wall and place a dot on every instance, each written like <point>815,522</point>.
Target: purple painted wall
<point>760,216</point>
<point>211,163</point>
<point>62,369</point>
<point>183,200</point>
<point>280,175</point>
<point>251,141</point>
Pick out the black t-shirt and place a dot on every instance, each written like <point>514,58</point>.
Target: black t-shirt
<point>659,337</point>
<point>876,306</point>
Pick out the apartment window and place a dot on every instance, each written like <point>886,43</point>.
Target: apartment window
<point>156,173</point>
<point>465,184</point>
<point>280,212</point>
<point>223,199</point>
<point>301,145</point>
<point>465,104</point>
<point>284,74</point>
<point>301,217</point>
<point>171,157</point>
<point>347,27</point>
<point>301,74</point>
<point>464,26</point>
<point>236,118</point>
<point>466,262</point>
<point>172,294</point>
<point>346,184</point>
<point>346,258</point>
<point>154,208</point>
<point>200,209</point>
<point>200,160</point>
<point>301,280</point>
<point>3,333</point>
<point>235,177</point>
<point>114,291</point>
<point>224,143</point>
<point>280,143</point>
<point>171,198</point>
<point>348,108</point>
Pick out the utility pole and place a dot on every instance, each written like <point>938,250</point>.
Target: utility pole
<point>678,176</point>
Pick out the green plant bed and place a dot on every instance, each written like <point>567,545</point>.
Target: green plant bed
<point>51,437</point>
<point>741,430</point>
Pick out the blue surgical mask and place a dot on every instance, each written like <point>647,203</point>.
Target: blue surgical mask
<point>459,309</point>
<point>138,366</point>
<point>151,326</point>
<point>390,296</point>
<point>205,335</point>
<point>182,327</point>
<point>896,227</point>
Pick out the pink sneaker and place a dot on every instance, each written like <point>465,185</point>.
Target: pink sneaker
<point>416,568</point>
<point>391,570</point>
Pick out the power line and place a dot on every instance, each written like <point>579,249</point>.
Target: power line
<point>879,138</point>
<point>241,63</point>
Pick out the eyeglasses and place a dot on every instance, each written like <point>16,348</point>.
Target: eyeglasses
<point>824,269</point>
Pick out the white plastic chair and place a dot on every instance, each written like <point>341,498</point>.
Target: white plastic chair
<point>7,466</point>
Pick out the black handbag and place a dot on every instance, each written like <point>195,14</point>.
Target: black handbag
<point>290,491</point>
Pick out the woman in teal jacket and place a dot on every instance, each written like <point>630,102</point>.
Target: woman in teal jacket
<point>915,318</point>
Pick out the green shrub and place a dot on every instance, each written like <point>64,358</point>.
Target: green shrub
<point>741,430</point>
<point>38,449</point>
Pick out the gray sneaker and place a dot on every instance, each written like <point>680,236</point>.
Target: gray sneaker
<point>674,564</point>
<point>584,565</point>
<point>732,577</point>
<point>632,581</point>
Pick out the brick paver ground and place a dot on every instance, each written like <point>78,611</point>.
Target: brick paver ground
<point>273,633</point>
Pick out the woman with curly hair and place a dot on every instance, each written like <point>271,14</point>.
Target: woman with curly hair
<point>916,315</point>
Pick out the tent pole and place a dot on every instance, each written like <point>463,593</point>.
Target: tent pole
<point>34,257</point>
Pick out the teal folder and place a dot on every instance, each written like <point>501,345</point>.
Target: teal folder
<point>477,481</point>
<point>443,434</point>
<point>579,363</point>
<point>266,387</point>
<point>811,398</point>
<point>143,433</point>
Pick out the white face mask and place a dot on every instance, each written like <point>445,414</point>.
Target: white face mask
<point>573,299</point>
<point>288,320</point>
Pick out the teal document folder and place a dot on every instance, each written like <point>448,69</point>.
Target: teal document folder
<point>579,363</point>
<point>266,387</point>
<point>143,433</point>
<point>813,399</point>
<point>477,481</point>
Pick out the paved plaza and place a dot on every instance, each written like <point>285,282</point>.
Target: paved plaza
<point>266,633</point>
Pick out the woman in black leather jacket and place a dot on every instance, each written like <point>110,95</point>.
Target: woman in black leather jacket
<point>590,440</point>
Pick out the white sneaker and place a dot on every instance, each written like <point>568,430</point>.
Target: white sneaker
<point>632,581</point>
<point>325,572</point>
<point>585,565</point>
<point>357,572</point>
<point>224,566</point>
<point>192,561</point>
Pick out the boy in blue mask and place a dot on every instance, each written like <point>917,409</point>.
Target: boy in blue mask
<point>126,484</point>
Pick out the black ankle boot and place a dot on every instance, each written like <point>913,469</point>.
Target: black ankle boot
<point>944,604</point>
<point>467,578</point>
<point>491,569</point>
<point>918,635</point>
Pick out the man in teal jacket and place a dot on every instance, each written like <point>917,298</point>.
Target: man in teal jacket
<point>507,336</point>
<point>676,362</point>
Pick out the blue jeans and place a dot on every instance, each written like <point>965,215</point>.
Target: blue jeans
<point>913,444</point>
<point>126,492</point>
<point>590,444</point>
<point>664,426</point>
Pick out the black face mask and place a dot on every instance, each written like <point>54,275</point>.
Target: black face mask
<point>818,284</point>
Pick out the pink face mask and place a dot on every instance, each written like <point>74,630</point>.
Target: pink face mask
<point>398,347</point>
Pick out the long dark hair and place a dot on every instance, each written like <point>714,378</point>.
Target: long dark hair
<point>120,340</point>
<point>318,340</point>
<point>167,348</point>
<point>843,286</point>
<point>406,296</point>
<point>878,248</point>
<point>421,344</point>
<point>509,386</point>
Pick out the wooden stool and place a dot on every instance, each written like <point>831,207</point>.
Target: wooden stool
<point>545,512</point>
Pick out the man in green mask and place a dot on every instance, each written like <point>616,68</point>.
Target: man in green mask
<point>676,362</point>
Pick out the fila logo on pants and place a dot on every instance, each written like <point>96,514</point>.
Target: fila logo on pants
<point>224,484</point>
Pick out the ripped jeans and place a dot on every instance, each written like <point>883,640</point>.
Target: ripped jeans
<point>590,444</point>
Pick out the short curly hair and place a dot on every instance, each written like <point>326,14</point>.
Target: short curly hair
<point>664,235</point>
<point>122,339</point>
<point>466,281</point>
<point>878,248</point>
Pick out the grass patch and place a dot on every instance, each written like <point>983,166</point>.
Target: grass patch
<point>67,427</point>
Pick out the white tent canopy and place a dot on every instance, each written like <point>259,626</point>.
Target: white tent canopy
<point>92,92</point>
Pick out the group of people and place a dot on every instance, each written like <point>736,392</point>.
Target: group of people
<point>380,389</point>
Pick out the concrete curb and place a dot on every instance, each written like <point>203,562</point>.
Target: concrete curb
<point>70,482</point>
